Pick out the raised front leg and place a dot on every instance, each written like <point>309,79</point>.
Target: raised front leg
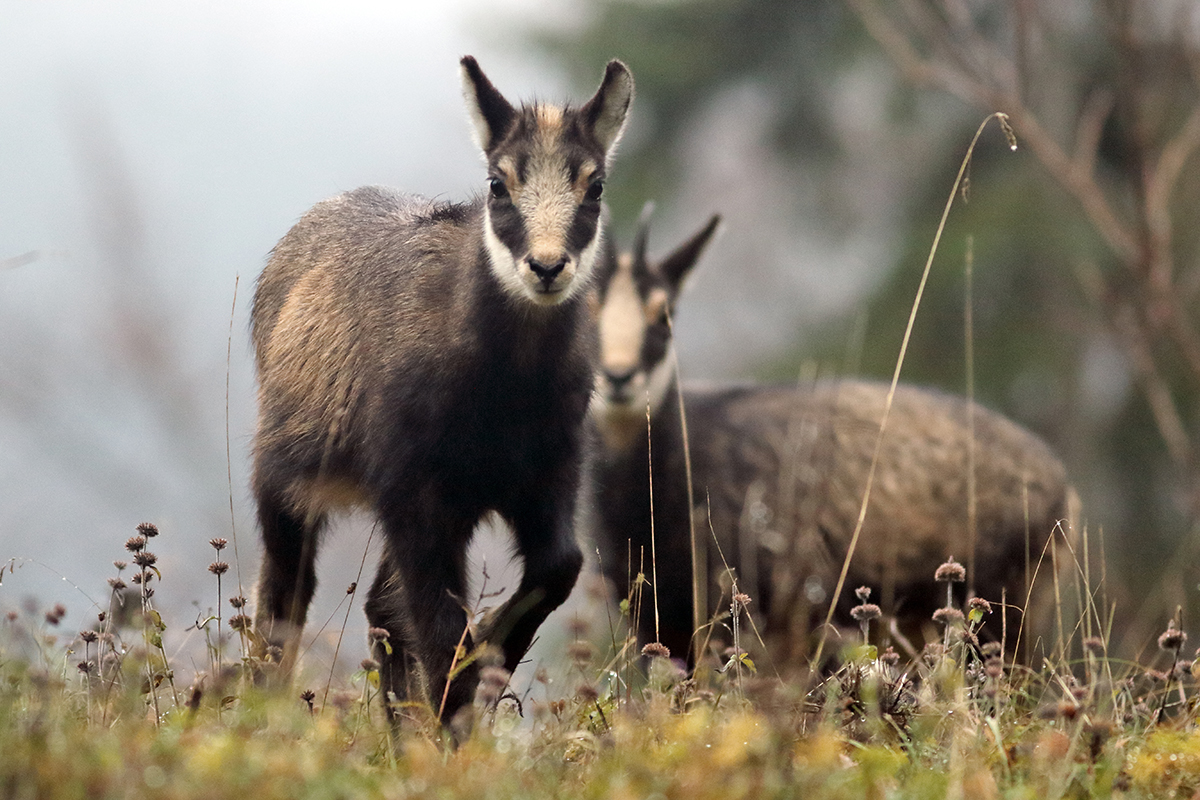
<point>544,530</point>
<point>286,582</point>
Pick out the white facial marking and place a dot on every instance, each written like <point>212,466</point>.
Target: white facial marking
<point>547,202</point>
<point>622,322</point>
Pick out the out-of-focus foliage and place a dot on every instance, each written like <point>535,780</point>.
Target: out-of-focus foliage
<point>1086,257</point>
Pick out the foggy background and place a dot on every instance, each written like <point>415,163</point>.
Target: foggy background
<point>151,155</point>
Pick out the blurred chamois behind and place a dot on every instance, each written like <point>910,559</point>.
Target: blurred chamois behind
<point>778,476</point>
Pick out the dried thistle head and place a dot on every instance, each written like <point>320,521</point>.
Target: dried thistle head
<point>492,682</point>
<point>979,604</point>
<point>218,568</point>
<point>120,565</point>
<point>656,650</point>
<point>145,559</point>
<point>1172,638</point>
<point>865,612</point>
<point>948,616</point>
<point>148,529</point>
<point>218,543</point>
<point>581,652</point>
<point>238,602</point>
<point>55,615</point>
<point>135,543</point>
<point>950,572</point>
<point>240,622</point>
<point>89,636</point>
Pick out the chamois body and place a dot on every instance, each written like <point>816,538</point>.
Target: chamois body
<point>433,362</point>
<point>779,472</point>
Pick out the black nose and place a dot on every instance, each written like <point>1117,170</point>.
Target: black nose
<point>619,380</point>
<point>546,273</point>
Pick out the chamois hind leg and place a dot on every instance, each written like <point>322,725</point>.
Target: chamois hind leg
<point>286,581</point>
<point>544,530</point>
<point>420,600</point>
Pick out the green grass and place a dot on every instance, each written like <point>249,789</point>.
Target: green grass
<point>108,716</point>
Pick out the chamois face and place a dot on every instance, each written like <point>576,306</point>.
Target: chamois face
<point>546,170</point>
<point>636,299</point>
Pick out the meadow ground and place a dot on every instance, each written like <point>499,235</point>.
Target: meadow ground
<point>102,713</point>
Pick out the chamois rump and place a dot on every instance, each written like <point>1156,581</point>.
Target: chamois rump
<point>779,472</point>
<point>433,362</point>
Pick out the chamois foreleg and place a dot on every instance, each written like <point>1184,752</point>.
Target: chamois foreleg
<point>420,601</point>
<point>552,560</point>
<point>287,580</point>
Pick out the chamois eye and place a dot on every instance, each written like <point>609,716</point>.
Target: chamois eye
<point>594,190</point>
<point>497,189</point>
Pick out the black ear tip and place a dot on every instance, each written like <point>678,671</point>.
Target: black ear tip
<point>614,68</point>
<point>468,62</point>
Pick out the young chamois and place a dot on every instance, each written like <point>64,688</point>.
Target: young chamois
<point>778,475</point>
<point>433,362</point>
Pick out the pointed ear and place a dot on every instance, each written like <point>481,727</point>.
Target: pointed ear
<point>490,113</point>
<point>605,113</point>
<point>675,267</point>
<point>642,237</point>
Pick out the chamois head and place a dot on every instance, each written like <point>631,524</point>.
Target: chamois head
<point>636,298</point>
<point>546,170</point>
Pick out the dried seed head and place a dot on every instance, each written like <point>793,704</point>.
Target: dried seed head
<point>218,543</point>
<point>369,665</point>
<point>238,601</point>
<point>979,604</point>
<point>89,636</point>
<point>577,627</point>
<point>865,612</point>
<point>990,649</point>
<point>117,584</point>
<point>239,622</point>
<point>950,572</point>
<point>218,568</point>
<point>1093,645</point>
<point>120,565</point>
<point>580,652</point>
<point>948,616</point>
<point>863,593</point>
<point>135,543</point>
<point>994,667</point>
<point>145,559</point>
<point>1172,638</point>
<point>86,667</point>
<point>741,599</point>
<point>148,529</point>
<point>378,634</point>
<point>656,650</point>
<point>55,615</point>
<point>492,682</point>
<point>587,693</point>
<point>890,657</point>
<point>147,592</point>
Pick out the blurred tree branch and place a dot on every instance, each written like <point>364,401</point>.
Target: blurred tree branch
<point>1147,109</point>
